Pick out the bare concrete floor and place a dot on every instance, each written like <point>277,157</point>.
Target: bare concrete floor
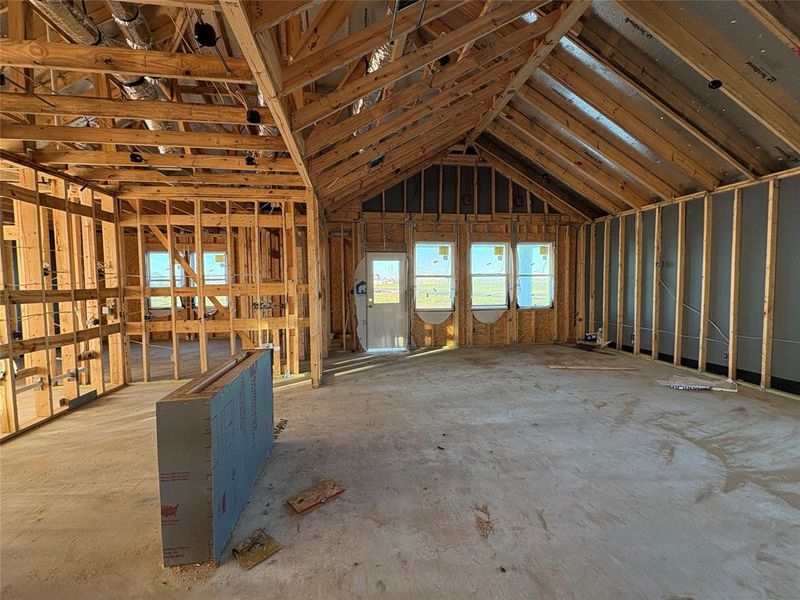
<point>596,485</point>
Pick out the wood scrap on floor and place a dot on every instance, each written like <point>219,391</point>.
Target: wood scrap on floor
<point>315,496</point>
<point>684,383</point>
<point>590,368</point>
<point>255,549</point>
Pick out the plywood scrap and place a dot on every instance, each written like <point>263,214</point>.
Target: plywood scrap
<point>590,368</point>
<point>483,520</point>
<point>315,496</point>
<point>255,549</point>
<point>682,382</point>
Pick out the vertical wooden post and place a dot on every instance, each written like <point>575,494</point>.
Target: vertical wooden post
<point>142,294</point>
<point>592,327</point>
<point>201,283</point>
<point>173,300</point>
<point>656,284</point>
<point>314,290</point>
<point>9,418</point>
<point>112,279</point>
<point>67,319</point>
<point>637,289</point>
<point>580,287</point>
<point>769,284</point>
<point>676,353</point>
<point>90,254</point>
<point>621,283</point>
<point>733,318</point>
<point>229,270</point>
<point>606,277</point>
<point>705,285</point>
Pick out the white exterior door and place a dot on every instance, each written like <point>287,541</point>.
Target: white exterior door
<point>387,317</point>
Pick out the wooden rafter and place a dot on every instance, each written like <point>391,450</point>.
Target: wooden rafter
<point>568,17</point>
<point>125,61</point>
<point>326,60</point>
<point>714,63</point>
<point>162,161</point>
<point>605,147</point>
<point>410,62</point>
<point>542,157</point>
<point>265,64</point>
<point>140,137</point>
<point>495,158</point>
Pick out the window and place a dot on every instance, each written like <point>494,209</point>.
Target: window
<point>158,277</point>
<point>535,277</point>
<point>489,270</point>
<point>386,281</point>
<point>433,276</point>
<point>215,272</point>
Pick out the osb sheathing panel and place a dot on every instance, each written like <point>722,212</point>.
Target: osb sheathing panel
<point>425,335</point>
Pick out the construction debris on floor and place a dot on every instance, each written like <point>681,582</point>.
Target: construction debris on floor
<point>683,382</point>
<point>590,368</point>
<point>255,549</point>
<point>315,496</point>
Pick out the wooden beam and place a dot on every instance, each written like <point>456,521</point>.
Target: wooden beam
<point>268,14</point>
<point>436,108</point>
<point>637,288</point>
<point>326,23</point>
<point>411,62</point>
<point>580,83</point>
<point>583,163</point>
<point>515,173</point>
<point>265,64</point>
<point>123,61</point>
<point>667,95</point>
<point>656,285</point>
<point>612,152</point>
<point>569,16</point>
<point>127,109</point>
<point>715,63</point>
<point>769,284</point>
<point>541,156</point>
<point>220,193</point>
<point>163,161</point>
<point>621,281</point>
<point>179,177</point>
<point>326,60</point>
<point>776,16</point>
<point>679,280</point>
<point>141,137</point>
<point>606,278</point>
<point>733,310</point>
<point>705,285</point>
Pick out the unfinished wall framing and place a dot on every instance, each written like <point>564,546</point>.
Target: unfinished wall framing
<point>716,284</point>
<point>62,336</point>
<point>436,205</point>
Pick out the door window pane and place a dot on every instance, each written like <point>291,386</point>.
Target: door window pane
<point>386,281</point>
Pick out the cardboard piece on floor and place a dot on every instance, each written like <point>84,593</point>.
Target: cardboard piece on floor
<point>255,549</point>
<point>315,496</point>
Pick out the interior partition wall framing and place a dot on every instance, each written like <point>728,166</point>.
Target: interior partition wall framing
<point>710,282</point>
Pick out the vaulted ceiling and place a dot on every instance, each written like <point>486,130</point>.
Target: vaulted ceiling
<point>609,105</point>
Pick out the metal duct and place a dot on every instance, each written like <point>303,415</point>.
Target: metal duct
<point>267,130</point>
<point>76,24</point>
<point>131,23</point>
<point>380,57</point>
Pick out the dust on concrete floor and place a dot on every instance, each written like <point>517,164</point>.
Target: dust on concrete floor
<point>469,473</point>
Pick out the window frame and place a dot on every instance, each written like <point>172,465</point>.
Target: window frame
<point>551,276</point>
<point>451,276</point>
<point>223,300</point>
<point>472,276</point>
<point>149,280</point>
